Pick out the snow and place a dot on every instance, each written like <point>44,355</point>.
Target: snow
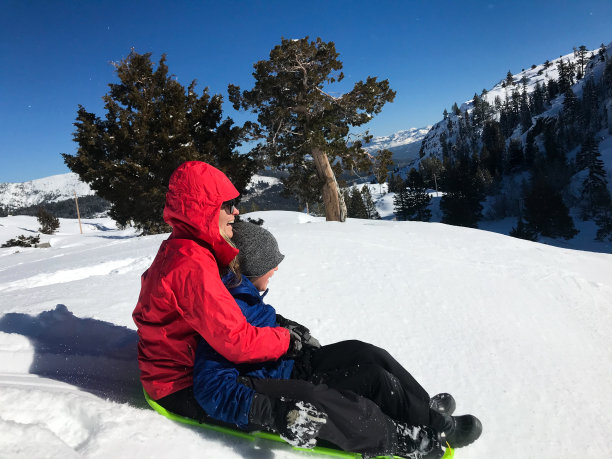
<point>52,189</point>
<point>518,332</point>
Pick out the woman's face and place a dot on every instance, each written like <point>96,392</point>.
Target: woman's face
<point>226,218</point>
<point>261,283</point>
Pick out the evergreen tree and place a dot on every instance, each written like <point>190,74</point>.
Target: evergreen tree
<point>604,222</point>
<point>400,204</point>
<point>495,143</point>
<point>607,79</point>
<point>570,107</point>
<point>552,89</point>
<point>461,203</point>
<point>152,125</point>
<point>581,54</point>
<point>417,198</point>
<point>368,202</point>
<point>525,111</point>
<point>455,109</point>
<point>357,206</point>
<point>516,158</point>
<point>545,211</point>
<point>382,162</point>
<point>602,52</point>
<point>395,183</point>
<point>48,223</point>
<point>566,75</point>
<point>531,149</point>
<point>523,231</point>
<point>595,194</point>
<point>301,124</point>
<point>431,170</point>
<point>538,98</point>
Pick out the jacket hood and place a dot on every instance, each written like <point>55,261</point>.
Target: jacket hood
<point>193,202</point>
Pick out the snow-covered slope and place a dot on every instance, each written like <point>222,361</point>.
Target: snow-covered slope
<point>540,74</point>
<point>48,189</point>
<point>404,144</point>
<point>518,331</point>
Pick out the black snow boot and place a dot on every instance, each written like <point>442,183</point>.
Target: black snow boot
<point>417,442</point>
<point>460,431</point>
<point>443,403</point>
<point>299,424</point>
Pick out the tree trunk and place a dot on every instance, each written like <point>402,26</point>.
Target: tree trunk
<point>335,208</point>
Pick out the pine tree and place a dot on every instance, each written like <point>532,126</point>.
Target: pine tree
<point>461,203</point>
<point>516,158</point>
<point>538,98</point>
<point>416,198</point>
<point>382,162</point>
<point>357,206</point>
<point>604,222</point>
<point>395,183</point>
<point>566,75</point>
<point>368,202</point>
<point>552,89</point>
<point>300,123</point>
<point>581,54</point>
<point>48,223</point>
<point>400,204</point>
<point>525,111</point>
<point>571,107</point>
<point>595,194</point>
<point>495,143</point>
<point>590,106</point>
<point>523,231</point>
<point>152,125</point>
<point>431,170</point>
<point>545,212</point>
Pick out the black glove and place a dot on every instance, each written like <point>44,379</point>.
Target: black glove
<point>304,333</point>
<point>295,345</point>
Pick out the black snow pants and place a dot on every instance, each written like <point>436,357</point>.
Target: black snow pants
<point>371,372</point>
<point>361,387</point>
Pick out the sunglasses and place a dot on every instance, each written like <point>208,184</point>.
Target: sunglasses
<point>229,206</point>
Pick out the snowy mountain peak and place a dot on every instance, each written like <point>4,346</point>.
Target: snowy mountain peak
<point>400,138</point>
<point>49,189</point>
<point>404,144</point>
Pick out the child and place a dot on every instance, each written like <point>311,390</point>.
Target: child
<point>356,395</point>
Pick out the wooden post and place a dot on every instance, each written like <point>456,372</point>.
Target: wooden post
<point>76,201</point>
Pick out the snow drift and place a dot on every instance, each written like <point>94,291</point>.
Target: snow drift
<point>518,332</point>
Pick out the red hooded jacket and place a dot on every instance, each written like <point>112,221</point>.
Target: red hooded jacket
<point>182,296</point>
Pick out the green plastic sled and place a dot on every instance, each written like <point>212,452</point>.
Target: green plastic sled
<point>330,452</point>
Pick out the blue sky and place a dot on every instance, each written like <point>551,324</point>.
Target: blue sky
<point>56,55</point>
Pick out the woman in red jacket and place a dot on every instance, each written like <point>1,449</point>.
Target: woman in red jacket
<point>182,296</point>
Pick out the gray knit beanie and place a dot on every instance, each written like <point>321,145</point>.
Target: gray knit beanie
<point>258,249</point>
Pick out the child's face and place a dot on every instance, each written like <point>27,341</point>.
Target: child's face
<point>261,283</point>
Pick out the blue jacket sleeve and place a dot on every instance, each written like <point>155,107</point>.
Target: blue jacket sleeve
<point>218,391</point>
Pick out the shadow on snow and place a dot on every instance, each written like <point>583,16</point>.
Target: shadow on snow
<point>96,356</point>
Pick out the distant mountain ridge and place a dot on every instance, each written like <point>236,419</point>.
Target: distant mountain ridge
<point>45,190</point>
<point>404,144</point>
